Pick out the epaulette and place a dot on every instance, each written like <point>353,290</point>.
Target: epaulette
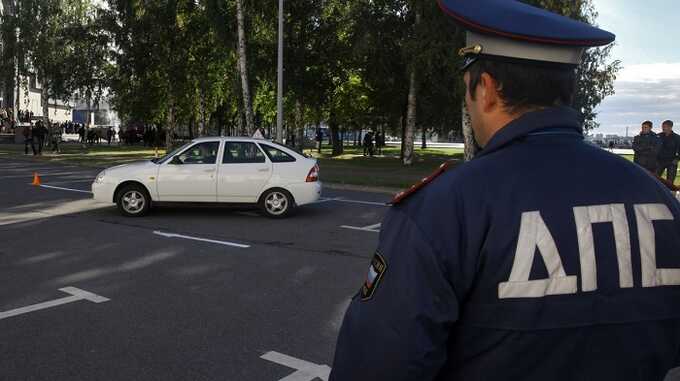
<point>401,196</point>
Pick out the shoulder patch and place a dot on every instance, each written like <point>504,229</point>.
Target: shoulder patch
<point>401,196</point>
<point>376,270</point>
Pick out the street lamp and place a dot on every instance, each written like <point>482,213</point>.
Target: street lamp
<point>279,95</point>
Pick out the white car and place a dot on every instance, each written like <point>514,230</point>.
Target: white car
<point>214,170</point>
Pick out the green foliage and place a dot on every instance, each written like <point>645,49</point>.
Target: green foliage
<point>596,74</point>
<point>347,63</point>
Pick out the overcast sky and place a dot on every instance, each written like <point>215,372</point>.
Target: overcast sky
<point>648,44</point>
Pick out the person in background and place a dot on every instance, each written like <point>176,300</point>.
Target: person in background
<point>55,136</point>
<point>669,153</point>
<point>28,139</point>
<point>368,143</point>
<point>646,147</point>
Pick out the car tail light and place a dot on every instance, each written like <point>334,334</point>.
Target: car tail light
<point>313,174</point>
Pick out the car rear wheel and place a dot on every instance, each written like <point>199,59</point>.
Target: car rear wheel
<point>133,201</point>
<point>277,203</point>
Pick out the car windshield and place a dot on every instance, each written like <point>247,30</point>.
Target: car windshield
<point>161,160</point>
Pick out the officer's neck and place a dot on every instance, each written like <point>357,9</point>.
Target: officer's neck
<point>495,121</point>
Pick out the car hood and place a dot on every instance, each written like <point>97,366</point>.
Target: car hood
<point>132,167</point>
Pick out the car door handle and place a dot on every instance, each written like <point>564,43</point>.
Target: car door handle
<point>263,170</point>
<point>208,170</point>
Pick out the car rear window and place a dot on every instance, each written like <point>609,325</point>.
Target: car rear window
<point>276,155</point>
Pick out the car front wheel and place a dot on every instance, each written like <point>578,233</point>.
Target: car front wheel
<point>277,203</point>
<point>133,201</point>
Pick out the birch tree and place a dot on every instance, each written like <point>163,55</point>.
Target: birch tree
<point>243,68</point>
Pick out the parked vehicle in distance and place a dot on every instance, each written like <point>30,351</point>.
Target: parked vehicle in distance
<point>227,170</point>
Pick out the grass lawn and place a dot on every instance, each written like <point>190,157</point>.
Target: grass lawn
<point>93,156</point>
<point>381,170</point>
<point>677,178</point>
<point>351,168</point>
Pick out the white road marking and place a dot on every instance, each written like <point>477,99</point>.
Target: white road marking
<point>340,199</point>
<point>76,295</point>
<point>65,189</point>
<point>71,181</point>
<point>47,210</point>
<point>322,200</point>
<point>48,174</point>
<point>304,370</point>
<point>225,243</point>
<point>370,228</point>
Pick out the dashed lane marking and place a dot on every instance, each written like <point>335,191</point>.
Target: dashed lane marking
<point>340,199</point>
<point>181,236</point>
<point>76,295</point>
<point>322,200</point>
<point>304,370</point>
<point>370,228</point>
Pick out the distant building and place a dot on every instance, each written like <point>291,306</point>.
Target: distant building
<point>101,114</point>
<point>604,140</point>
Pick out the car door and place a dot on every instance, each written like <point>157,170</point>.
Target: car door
<point>191,175</point>
<point>243,172</point>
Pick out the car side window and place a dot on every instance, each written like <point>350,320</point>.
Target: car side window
<point>242,153</point>
<point>276,155</point>
<point>201,153</point>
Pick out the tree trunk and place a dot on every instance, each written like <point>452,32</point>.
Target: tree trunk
<point>318,129</point>
<point>170,128</point>
<point>423,144</point>
<point>468,136</point>
<point>402,128</point>
<point>335,135</point>
<point>299,123</point>
<point>202,124</point>
<point>410,130</point>
<point>240,125</point>
<point>243,68</point>
<point>44,99</point>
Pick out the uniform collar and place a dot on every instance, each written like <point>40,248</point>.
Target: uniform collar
<point>564,118</point>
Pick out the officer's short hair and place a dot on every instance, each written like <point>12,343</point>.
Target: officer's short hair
<point>647,123</point>
<point>667,123</point>
<point>523,87</point>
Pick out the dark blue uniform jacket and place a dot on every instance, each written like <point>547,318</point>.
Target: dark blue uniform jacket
<point>545,258</point>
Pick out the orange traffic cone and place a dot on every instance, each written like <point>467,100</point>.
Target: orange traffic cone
<point>36,179</point>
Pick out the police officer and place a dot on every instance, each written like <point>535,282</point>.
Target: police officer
<point>501,270</point>
<point>646,147</point>
<point>669,152</point>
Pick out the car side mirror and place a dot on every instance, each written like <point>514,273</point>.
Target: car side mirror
<point>176,160</point>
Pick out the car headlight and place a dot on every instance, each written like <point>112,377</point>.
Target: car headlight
<point>100,177</point>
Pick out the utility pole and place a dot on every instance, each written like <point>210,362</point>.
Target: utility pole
<point>279,89</point>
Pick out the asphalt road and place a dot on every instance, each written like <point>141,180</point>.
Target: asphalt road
<point>174,299</point>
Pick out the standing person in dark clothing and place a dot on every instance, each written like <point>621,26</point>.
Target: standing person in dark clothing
<point>669,153</point>
<point>109,135</point>
<point>319,139</point>
<point>646,147</point>
<point>38,137</point>
<point>368,143</point>
<point>81,133</point>
<point>28,139</point>
<point>379,142</point>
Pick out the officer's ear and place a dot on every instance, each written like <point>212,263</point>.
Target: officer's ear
<point>489,92</point>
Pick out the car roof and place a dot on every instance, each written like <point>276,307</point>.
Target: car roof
<point>232,138</point>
